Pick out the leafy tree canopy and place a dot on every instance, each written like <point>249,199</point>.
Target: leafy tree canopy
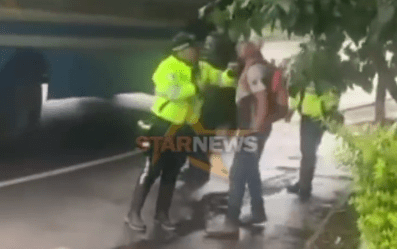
<point>371,26</point>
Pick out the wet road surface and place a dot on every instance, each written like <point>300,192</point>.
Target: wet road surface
<point>83,209</point>
<point>86,208</point>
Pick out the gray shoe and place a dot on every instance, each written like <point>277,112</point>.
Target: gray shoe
<point>140,227</point>
<point>229,230</point>
<point>166,224</point>
<point>253,220</point>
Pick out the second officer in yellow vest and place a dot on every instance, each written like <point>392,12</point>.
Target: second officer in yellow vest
<point>177,103</point>
<point>313,108</point>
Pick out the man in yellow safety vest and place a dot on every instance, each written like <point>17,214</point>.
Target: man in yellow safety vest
<point>313,108</point>
<point>177,103</point>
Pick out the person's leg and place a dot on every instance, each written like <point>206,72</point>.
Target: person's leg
<point>197,175</point>
<point>255,182</point>
<point>142,188</point>
<point>311,134</point>
<point>200,174</point>
<point>149,174</point>
<point>238,180</point>
<point>173,162</point>
<point>172,165</point>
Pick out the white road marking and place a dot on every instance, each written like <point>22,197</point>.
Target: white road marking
<point>68,169</point>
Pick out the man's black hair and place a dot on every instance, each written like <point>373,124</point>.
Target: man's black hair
<point>200,28</point>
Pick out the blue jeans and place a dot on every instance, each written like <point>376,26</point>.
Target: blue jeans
<point>245,171</point>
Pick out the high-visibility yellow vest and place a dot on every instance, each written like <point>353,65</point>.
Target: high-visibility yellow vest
<point>176,93</point>
<point>314,105</point>
<point>210,75</point>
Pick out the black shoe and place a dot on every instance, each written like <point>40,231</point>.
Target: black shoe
<point>294,189</point>
<point>166,224</point>
<point>303,194</point>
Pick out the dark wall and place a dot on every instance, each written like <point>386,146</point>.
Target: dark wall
<point>142,9</point>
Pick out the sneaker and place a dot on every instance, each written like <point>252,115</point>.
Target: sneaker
<point>166,224</point>
<point>136,226</point>
<point>228,230</point>
<point>253,220</point>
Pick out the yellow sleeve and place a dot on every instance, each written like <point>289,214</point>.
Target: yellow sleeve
<point>209,75</point>
<point>228,80</point>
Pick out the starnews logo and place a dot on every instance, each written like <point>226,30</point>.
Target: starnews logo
<point>217,144</point>
<point>206,141</point>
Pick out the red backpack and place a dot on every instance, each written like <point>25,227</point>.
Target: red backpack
<point>277,93</point>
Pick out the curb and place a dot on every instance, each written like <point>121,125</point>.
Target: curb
<point>361,106</point>
<point>342,201</point>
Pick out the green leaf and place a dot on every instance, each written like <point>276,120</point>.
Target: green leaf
<point>245,3</point>
<point>237,28</point>
<point>257,23</point>
<point>355,21</point>
<point>380,26</point>
<point>243,14</point>
<point>292,16</point>
<point>369,70</point>
<point>283,17</point>
<point>266,8</point>
<point>369,153</point>
<point>375,220</point>
<point>218,17</point>
<point>271,14</point>
<point>273,25</point>
<point>392,217</point>
<point>232,9</point>
<point>380,169</point>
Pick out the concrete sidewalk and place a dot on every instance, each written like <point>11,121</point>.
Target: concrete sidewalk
<point>290,222</point>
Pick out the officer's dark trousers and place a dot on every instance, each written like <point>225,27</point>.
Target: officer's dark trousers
<point>199,175</point>
<point>245,171</point>
<point>167,166</point>
<point>311,133</point>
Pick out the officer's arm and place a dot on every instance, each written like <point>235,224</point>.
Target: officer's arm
<point>228,78</point>
<point>169,85</point>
